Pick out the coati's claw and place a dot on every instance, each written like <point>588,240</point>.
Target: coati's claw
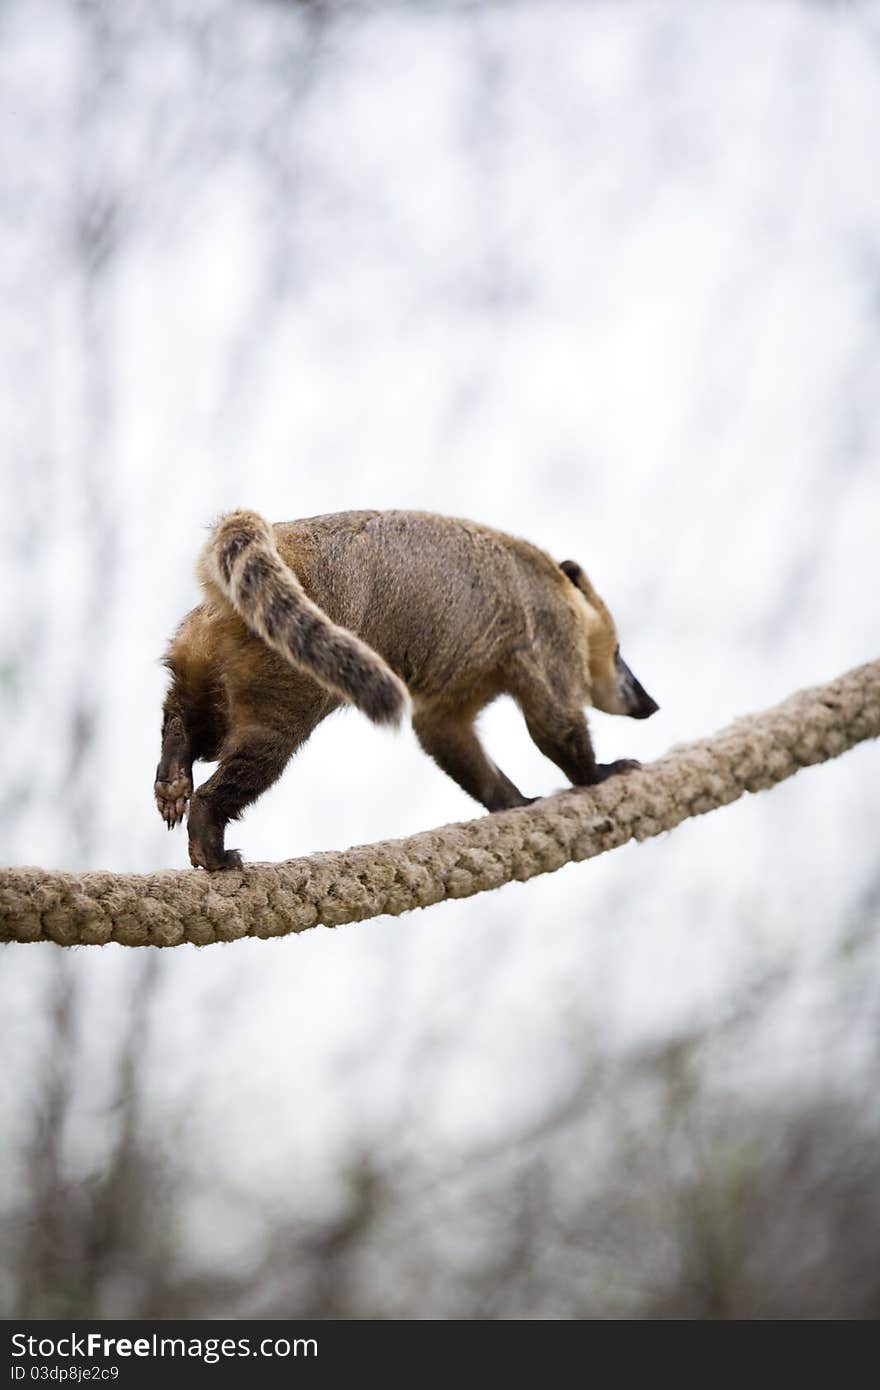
<point>171,799</point>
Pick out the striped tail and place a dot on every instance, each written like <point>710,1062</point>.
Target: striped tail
<point>241,559</point>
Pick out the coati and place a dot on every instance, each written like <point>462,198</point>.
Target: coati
<point>385,610</point>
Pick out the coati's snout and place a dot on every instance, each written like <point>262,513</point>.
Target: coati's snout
<point>640,705</point>
<point>623,694</point>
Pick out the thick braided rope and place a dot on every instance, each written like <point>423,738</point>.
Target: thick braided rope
<point>166,909</point>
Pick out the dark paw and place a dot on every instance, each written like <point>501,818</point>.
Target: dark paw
<point>172,796</point>
<point>605,770</point>
<point>205,857</point>
<point>206,836</point>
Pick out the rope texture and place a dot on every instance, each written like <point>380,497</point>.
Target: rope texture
<point>456,861</point>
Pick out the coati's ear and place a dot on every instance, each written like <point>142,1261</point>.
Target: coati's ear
<point>573,570</point>
<point>580,581</point>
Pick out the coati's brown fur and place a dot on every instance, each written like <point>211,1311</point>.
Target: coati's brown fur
<point>382,609</point>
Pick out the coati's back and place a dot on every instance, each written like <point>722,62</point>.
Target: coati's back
<point>445,602</point>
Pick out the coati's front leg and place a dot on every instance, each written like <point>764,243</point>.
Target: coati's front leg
<point>251,759</point>
<point>454,746</point>
<point>564,737</point>
<point>173,785</point>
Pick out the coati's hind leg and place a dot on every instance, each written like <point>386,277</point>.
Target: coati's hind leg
<point>173,785</point>
<point>194,716</point>
<point>253,756</point>
<point>453,744</point>
<point>563,736</point>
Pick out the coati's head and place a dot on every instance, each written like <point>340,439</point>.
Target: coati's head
<point>614,688</point>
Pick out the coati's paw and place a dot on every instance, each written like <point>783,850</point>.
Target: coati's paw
<point>172,797</point>
<point>605,770</point>
<point>206,840</point>
<point>203,857</point>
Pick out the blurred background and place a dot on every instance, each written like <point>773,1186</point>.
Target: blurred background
<point>605,275</point>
